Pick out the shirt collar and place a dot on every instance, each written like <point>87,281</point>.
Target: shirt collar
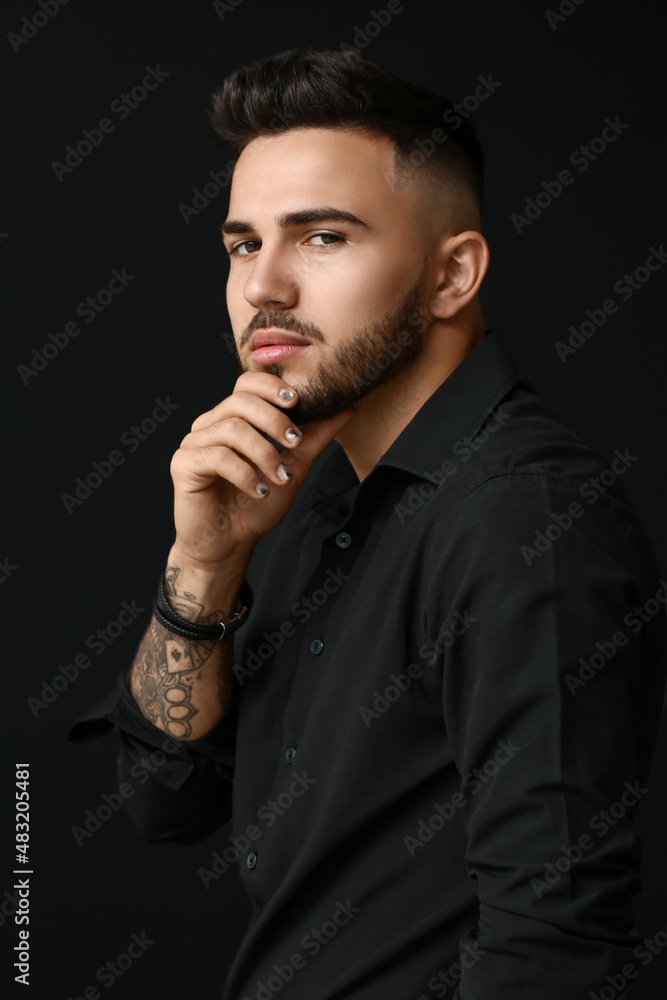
<point>458,407</point>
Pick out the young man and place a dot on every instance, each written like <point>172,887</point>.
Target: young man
<point>433,725</point>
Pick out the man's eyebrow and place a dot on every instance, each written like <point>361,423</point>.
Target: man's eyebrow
<point>304,215</point>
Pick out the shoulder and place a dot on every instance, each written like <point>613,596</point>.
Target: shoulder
<point>526,479</point>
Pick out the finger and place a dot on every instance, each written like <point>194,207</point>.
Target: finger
<point>261,385</point>
<point>257,412</point>
<point>195,470</point>
<point>246,440</point>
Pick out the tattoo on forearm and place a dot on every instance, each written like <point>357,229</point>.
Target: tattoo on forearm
<point>166,665</point>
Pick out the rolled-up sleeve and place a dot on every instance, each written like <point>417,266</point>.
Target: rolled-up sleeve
<point>552,694</point>
<point>182,790</point>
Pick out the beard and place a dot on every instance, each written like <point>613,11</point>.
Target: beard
<point>370,357</point>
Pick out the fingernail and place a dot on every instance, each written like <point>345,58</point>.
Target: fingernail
<point>292,434</point>
<point>286,394</point>
<point>262,489</point>
<point>284,473</point>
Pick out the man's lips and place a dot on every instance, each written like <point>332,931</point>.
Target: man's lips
<point>262,338</point>
<point>275,345</point>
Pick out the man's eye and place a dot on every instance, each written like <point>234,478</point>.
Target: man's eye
<point>331,238</point>
<point>247,247</point>
<point>239,248</point>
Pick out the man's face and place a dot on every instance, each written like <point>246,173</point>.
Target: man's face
<point>325,244</point>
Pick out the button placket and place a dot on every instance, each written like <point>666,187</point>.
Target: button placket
<point>330,575</point>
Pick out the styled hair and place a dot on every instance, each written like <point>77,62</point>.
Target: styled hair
<point>330,89</point>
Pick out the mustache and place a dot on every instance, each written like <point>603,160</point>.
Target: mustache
<point>286,321</point>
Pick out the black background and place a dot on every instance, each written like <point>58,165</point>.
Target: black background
<point>164,335</point>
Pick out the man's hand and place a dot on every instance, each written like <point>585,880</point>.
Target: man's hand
<point>218,510</point>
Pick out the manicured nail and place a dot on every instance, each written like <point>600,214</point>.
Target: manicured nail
<point>292,434</point>
<point>286,394</point>
<point>262,489</point>
<point>284,473</point>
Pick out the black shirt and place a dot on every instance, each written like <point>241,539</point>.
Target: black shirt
<point>446,698</point>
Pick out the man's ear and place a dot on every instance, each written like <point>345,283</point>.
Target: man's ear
<point>461,263</point>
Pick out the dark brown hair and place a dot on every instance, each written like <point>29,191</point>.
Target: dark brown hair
<point>329,89</point>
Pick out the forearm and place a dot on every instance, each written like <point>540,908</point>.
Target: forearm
<point>183,687</point>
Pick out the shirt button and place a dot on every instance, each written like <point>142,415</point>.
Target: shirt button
<point>343,539</point>
<point>290,754</point>
<point>251,860</point>
<point>316,646</point>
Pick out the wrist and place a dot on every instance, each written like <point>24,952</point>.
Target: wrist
<point>183,614</point>
<point>194,589</point>
<point>232,565</point>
